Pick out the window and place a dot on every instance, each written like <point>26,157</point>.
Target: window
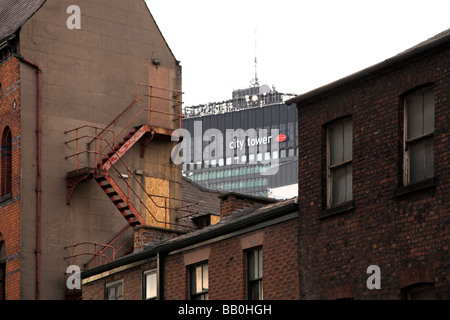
<point>150,285</point>
<point>419,137</point>
<point>199,286</point>
<point>424,291</point>
<point>6,163</point>
<point>255,274</point>
<point>2,268</point>
<point>339,162</point>
<point>114,291</point>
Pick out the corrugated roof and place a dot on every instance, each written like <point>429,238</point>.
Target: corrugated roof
<point>14,13</point>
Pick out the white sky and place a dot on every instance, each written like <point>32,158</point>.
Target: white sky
<point>301,45</point>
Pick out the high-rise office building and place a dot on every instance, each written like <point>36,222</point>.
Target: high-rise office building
<point>247,144</point>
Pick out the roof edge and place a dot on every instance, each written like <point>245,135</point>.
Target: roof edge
<point>417,51</point>
<point>175,244</point>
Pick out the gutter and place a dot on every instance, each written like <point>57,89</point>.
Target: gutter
<point>210,232</point>
<point>39,168</point>
<point>415,52</point>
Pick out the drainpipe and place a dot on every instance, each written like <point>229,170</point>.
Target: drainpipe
<point>159,282</point>
<point>39,166</point>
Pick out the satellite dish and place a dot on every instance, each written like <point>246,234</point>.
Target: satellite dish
<point>264,88</point>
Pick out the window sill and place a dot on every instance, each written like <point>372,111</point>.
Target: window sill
<point>5,197</point>
<point>337,209</point>
<point>415,187</point>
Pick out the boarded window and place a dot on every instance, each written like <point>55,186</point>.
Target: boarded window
<point>158,204</point>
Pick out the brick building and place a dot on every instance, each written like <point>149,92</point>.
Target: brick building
<point>89,97</point>
<point>250,254</point>
<point>374,176</point>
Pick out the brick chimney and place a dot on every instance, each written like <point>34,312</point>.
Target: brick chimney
<point>148,236</point>
<point>233,202</point>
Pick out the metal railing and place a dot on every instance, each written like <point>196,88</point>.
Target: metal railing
<point>103,140</point>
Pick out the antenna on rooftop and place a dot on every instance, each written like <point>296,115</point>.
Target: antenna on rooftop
<point>255,81</point>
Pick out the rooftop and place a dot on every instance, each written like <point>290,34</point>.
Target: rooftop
<point>434,43</point>
<point>14,14</point>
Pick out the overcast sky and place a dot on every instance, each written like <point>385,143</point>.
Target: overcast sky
<point>300,45</point>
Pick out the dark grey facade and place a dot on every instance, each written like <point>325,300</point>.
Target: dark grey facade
<point>244,166</point>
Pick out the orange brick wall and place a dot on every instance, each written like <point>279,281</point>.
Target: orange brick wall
<point>10,207</point>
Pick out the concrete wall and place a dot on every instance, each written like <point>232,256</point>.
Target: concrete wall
<point>89,76</point>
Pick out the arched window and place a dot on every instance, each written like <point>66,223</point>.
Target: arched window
<point>6,162</point>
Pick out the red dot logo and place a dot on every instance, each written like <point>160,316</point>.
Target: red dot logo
<point>281,137</point>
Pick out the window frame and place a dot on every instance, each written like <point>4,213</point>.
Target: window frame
<point>114,284</point>
<point>330,168</point>
<point>259,280</point>
<point>6,164</point>
<point>204,293</point>
<point>425,136</point>
<point>144,284</point>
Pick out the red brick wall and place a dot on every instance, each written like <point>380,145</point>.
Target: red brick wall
<point>132,283</point>
<point>227,267</point>
<point>400,234</point>
<point>10,208</point>
<point>231,203</point>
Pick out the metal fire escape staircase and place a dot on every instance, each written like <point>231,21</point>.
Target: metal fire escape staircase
<point>129,195</point>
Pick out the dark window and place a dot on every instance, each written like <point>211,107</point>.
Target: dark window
<point>114,291</point>
<point>339,160</point>
<point>424,291</point>
<point>199,285</point>
<point>419,137</point>
<point>255,274</point>
<point>2,268</point>
<point>6,162</point>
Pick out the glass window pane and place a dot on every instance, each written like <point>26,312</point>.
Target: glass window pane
<point>349,183</point>
<point>348,140</point>
<point>414,117</point>
<point>150,285</point>
<point>251,268</point>
<point>260,264</point>
<point>205,277</point>
<point>336,144</point>
<point>428,112</point>
<point>417,161</point>
<point>198,279</point>
<point>338,182</point>
<point>429,157</point>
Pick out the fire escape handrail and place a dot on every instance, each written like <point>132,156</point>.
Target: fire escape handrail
<point>105,247</point>
<point>150,95</point>
<point>130,173</point>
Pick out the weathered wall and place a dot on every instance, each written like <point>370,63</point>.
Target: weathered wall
<point>406,236</point>
<point>89,76</point>
<point>10,204</point>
